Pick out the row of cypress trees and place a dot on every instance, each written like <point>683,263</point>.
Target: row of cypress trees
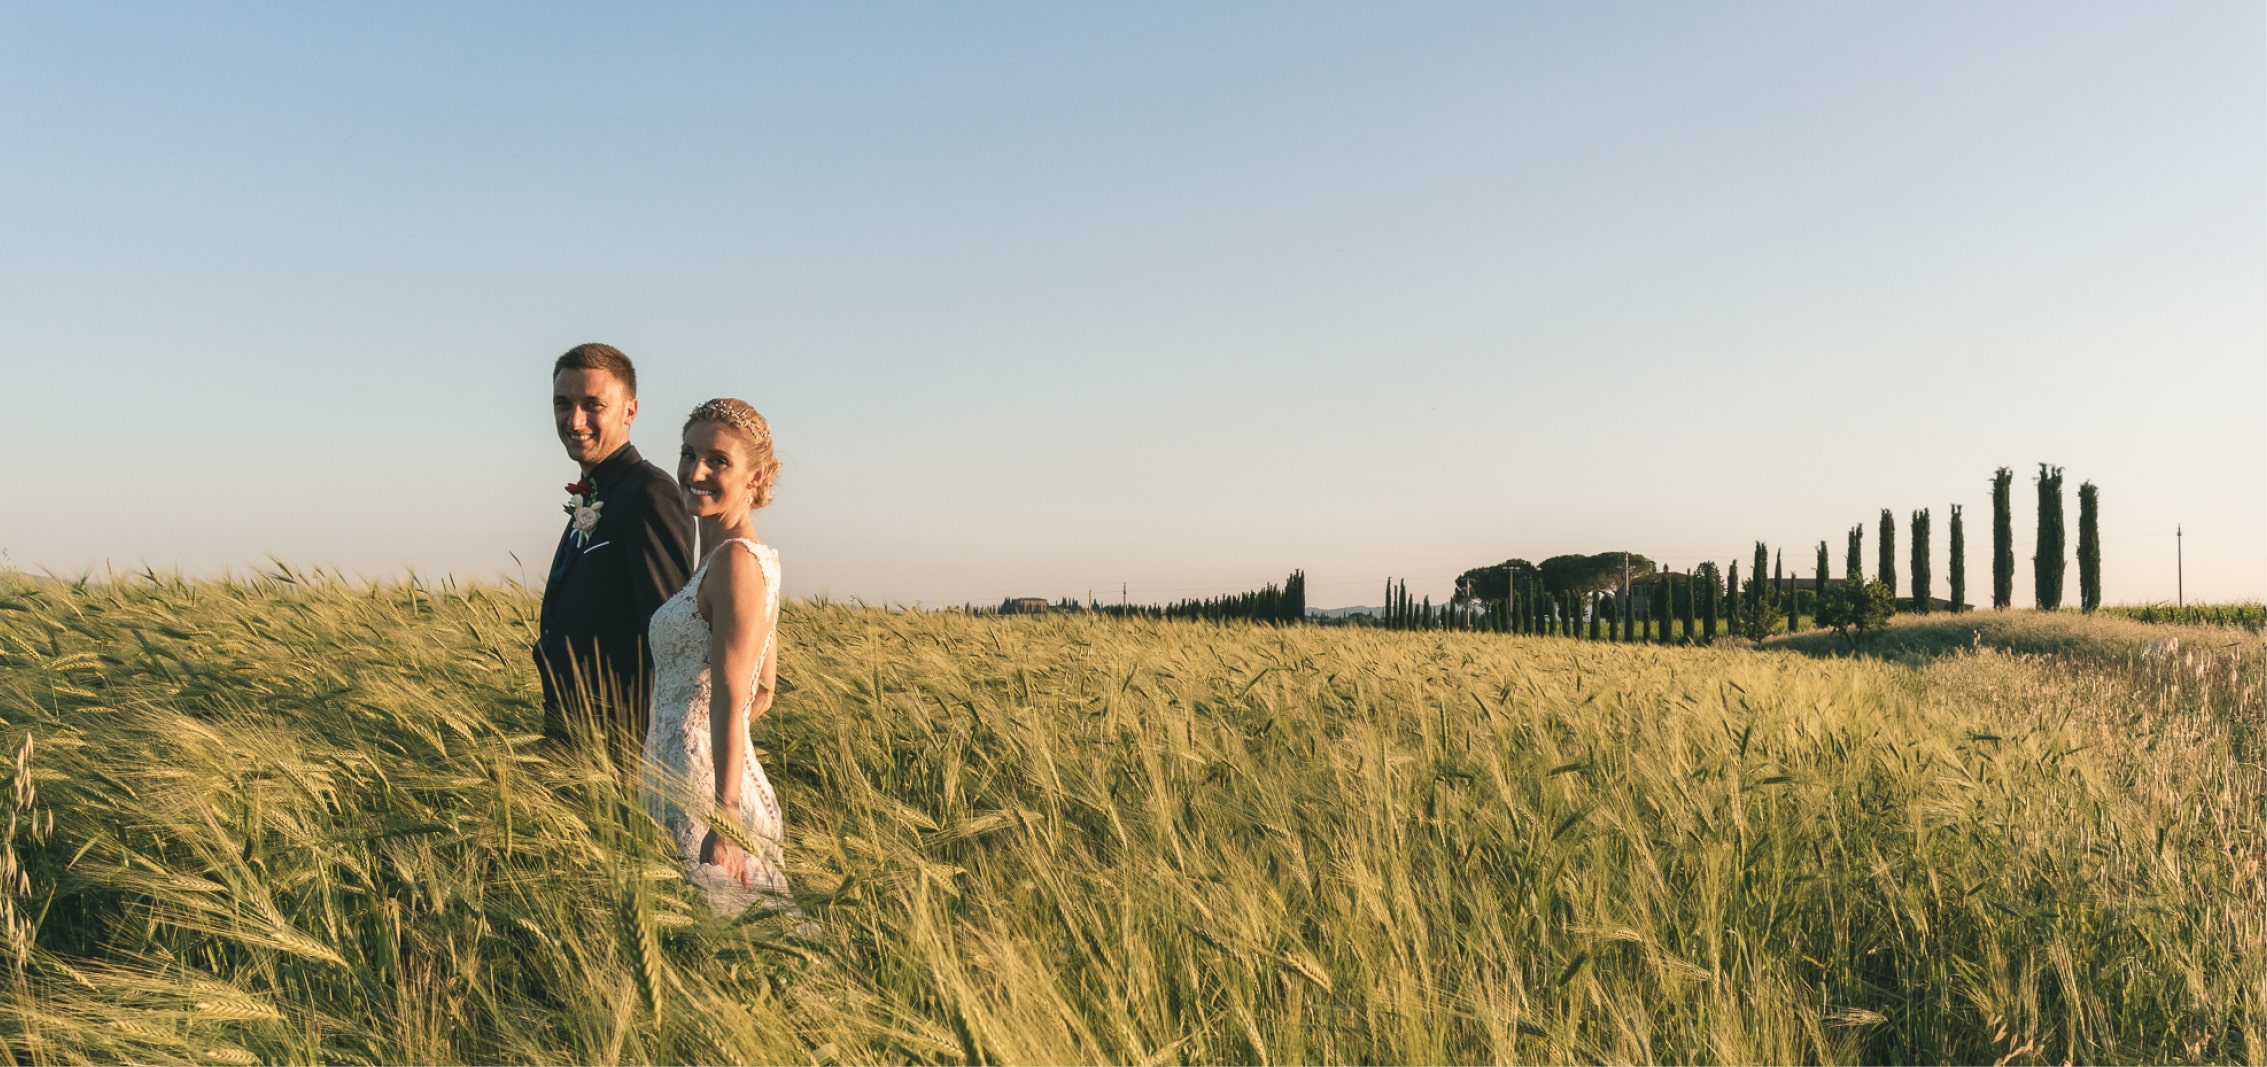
<point>1271,603</point>
<point>2048,560</point>
<point>1286,603</point>
<point>1763,605</point>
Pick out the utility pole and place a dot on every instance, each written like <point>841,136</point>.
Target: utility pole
<point>2180,575</point>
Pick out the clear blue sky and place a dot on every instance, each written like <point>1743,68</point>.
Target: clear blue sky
<point>1045,297</point>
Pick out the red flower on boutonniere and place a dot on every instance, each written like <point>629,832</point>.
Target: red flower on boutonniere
<point>584,509</point>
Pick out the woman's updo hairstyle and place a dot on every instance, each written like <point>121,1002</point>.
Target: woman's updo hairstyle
<point>735,415</point>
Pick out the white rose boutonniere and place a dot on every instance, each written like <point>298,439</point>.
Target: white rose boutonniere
<point>584,509</point>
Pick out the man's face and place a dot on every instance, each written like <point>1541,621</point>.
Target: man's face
<point>593,410</point>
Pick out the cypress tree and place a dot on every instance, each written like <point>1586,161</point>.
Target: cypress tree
<point>1662,608</point>
<point>1668,607</point>
<point>1732,597</point>
<point>2089,548</point>
<point>1778,584</point>
<point>2002,540</point>
<point>1692,610</point>
<point>1956,565</point>
<point>1922,594</point>
<point>2046,566</point>
<point>1818,584</point>
<point>1593,615</point>
<point>1715,595</point>
<point>1853,565</point>
<point>1758,594</point>
<point>1886,557</point>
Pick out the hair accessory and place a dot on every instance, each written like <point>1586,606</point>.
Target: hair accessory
<point>736,415</point>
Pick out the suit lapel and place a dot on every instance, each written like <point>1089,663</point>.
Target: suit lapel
<point>604,479</point>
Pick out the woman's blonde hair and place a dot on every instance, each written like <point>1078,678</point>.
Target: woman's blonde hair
<point>736,415</point>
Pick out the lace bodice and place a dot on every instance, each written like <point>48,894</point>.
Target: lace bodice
<point>680,771</point>
<point>679,636</point>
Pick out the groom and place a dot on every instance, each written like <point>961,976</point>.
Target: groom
<point>628,546</point>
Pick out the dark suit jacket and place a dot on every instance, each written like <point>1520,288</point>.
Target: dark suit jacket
<point>592,653</point>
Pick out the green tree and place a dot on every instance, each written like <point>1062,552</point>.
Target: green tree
<point>1715,588</point>
<point>1668,607</point>
<point>1692,610</point>
<point>1732,603</point>
<point>2089,547</point>
<point>1922,593</point>
<point>1886,556</point>
<point>1758,592</point>
<point>1818,582</point>
<point>1760,618</point>
<point>1853,565</point>
<point>1956,567</point>
<point>2047,563</point>
<point>1855,604</point>
<point>2002,540</point>
<point>1779,588</point>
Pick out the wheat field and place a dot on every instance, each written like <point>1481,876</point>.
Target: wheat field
<point>296,818</point>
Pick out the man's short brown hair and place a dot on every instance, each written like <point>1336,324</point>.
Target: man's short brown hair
<point>595,356</point>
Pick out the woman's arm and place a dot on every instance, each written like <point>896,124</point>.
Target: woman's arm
<point>733,597</point>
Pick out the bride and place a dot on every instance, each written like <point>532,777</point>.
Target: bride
<point>715,660</point>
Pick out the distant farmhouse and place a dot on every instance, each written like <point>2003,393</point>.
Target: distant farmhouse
<point>1024,605</point>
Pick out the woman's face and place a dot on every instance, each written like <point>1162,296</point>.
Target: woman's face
<point>713,473</point>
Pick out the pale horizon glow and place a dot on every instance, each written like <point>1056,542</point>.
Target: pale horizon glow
<point>1043,299</point>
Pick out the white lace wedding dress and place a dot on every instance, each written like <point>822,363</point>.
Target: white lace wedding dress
<point>680,774</point>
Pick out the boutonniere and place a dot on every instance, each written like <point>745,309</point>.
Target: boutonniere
<point>584,509</point>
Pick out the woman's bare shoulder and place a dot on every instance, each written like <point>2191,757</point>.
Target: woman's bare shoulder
<point>740,573</point>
